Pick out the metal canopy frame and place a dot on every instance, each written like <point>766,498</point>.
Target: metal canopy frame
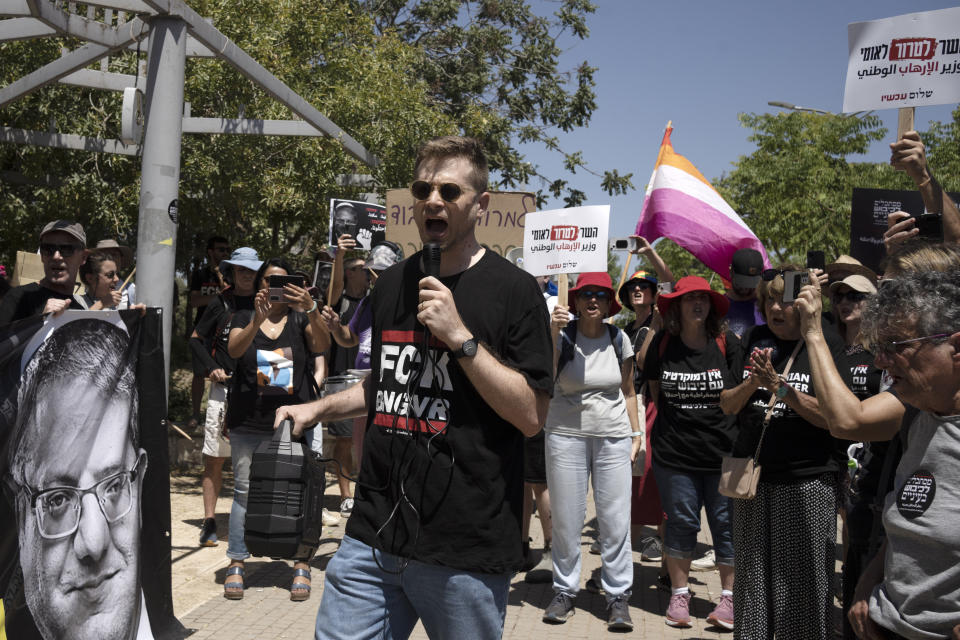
<point>174,32</point>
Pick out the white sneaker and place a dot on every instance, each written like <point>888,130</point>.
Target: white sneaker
<point>329,519</point>
<point>707,563</point>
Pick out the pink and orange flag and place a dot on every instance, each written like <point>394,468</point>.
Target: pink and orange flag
<point>682,205</point>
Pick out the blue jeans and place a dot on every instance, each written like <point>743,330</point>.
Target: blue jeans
<point>242,446</point>
<point>571,461</point>
<point>682,494</point>
<point>361,601</point>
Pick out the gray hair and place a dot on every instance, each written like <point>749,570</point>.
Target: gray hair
<point>923,303</point>
<point>95,354</point>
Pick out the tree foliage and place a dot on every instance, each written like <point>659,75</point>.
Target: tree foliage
<point>268,192</point>
<point>493,66</point>
<point>943,151</point>
<point>794,190</point>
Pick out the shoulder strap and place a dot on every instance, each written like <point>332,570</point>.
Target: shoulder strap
<point>773,400</point>
<point>616,338</point>
<point>568,338</point>
<point>722,343</point>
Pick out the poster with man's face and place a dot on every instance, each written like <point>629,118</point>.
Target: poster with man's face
<point>364,222</point>
<point>78,463</point>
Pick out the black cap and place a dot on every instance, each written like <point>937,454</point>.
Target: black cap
<point>745,268</point>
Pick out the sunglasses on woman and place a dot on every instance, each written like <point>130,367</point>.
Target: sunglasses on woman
<point>449,191</point>
<point>850,296</point>
<point>599,295</point>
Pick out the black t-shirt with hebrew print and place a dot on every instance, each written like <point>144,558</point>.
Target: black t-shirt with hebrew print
<point>691,433</point>
<point>793,449</point>
<point>442,473</point>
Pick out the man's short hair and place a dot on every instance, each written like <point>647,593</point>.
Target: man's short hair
<point>457,147</point>
<point>212,241</point>
<point>88,352</point>
<point>924,303</point>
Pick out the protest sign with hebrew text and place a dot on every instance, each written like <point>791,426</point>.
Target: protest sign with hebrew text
<point>911,60</point>
<point>570,240</point>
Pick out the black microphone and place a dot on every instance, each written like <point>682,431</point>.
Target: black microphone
<point>431,267</point>
<point>431,259</point>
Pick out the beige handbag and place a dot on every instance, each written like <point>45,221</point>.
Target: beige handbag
<point>739,476</point>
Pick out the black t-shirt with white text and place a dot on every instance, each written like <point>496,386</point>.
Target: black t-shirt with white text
<point>442,473</point>
<point>793,449</point>
<point>270,374</point>
<point>691,432</point>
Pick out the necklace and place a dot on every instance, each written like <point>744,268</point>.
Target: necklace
<point>272,328</point>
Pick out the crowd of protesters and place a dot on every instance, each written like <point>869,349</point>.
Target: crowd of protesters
<point>848,412</point>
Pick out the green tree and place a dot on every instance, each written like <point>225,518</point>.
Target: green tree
<point>268,192</point>
<point>493,67</point>
<point>942,141</point>
<point>794,190</point>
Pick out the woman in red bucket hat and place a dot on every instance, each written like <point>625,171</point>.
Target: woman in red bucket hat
<point>592,430</point>
<point>687,364</point>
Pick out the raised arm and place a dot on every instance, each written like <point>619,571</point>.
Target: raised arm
<point>241,338</point>
<point>646,250</point>
<point>909,155</point>
<point>504,389</point>
<point>876,418</point>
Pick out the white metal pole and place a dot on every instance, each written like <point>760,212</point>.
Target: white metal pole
<point>160,175</point>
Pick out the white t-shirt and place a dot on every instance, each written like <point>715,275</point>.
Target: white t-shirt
<point>587,400</point>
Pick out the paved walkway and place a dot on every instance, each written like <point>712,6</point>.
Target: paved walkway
<point>267,612</point>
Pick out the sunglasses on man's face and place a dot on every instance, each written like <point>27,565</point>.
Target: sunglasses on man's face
<point>449,191</point>
<point>66,250</point>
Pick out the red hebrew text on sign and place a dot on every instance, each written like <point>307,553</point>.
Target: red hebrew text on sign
<point>563,232</point>
<point>912,48</point>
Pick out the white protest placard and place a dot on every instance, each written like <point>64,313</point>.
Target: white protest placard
<point>566,240</point>
<point>911,60</point>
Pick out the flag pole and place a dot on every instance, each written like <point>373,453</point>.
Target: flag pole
<point>626,266</point>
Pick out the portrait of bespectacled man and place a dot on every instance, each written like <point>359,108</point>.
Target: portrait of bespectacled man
<point>74,475</point>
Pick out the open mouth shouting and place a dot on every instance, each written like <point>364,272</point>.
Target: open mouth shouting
<point>435,228</point>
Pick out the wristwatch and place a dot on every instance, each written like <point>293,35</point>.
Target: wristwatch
<point>468,349</point>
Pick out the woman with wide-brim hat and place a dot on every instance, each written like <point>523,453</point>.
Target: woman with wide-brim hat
<point>590,433</point>
<point>686,365</point>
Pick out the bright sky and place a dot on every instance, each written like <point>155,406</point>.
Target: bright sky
<point>700,64</point>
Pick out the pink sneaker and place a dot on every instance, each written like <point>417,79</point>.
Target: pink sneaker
<point>678,613</point>
<point>722,615</point>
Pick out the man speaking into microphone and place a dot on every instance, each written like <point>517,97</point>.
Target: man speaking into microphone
<point>462,370</point>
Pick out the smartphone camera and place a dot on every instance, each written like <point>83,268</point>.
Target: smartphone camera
<point>624,244</point>
<point>793,281</point>
<point>664,287</point>
<point>276,283</point>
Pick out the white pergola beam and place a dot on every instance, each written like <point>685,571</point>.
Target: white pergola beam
<point>80,27</point>
<point>14,8</point>
<point>250,126</point>
<point>53,71</point>
<point>23,29</point>
<point>66,141</point>
<point>105,80</point>
<point>242,62</point>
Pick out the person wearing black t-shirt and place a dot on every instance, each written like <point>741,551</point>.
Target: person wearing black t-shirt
<point>784,537</point>
<point>205,283</point>
<point>209,343</point>
<point>271,344</point>
<point>62,251</point>
<point>687,365</point>
<point>435,530</point>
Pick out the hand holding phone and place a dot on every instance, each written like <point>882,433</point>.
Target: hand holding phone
<point>276,283</point>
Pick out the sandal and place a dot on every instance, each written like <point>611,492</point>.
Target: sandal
<point>233,590</point>
<point>300,591</point>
